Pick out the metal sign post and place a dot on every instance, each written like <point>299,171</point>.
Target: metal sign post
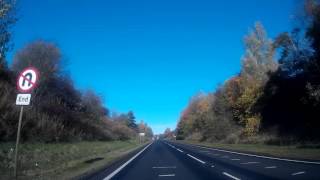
<point>17,143</point>
<point>25,84</point>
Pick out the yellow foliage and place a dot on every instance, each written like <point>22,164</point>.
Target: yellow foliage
<point>252,125</point>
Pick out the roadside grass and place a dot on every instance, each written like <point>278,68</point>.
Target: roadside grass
<point>61,160</point>
<point>283,151</point>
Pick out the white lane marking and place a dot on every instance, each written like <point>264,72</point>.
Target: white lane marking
<point>212,166</point>
<point>231,176</point>
<point>270,167</point>
<point>196,159</point>
<point>235,159</point>
<point>250,163</point>
<point>125,164</point>
<point>216,154</point>
<point>297,173</point>
<point>164,167</point>
<point>259,156</point>
<point>166,175</point>
<point>179,150</point>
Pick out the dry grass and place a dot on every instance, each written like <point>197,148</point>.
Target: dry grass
<point>61,160</point>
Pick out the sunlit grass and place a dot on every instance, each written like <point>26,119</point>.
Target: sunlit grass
<point>60,160</point>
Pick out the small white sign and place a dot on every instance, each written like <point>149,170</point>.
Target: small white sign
<point>23,99</point>
<point>141,134</point>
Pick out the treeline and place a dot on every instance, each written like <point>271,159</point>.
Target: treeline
<point>59,111</point>
<point>276,96</point>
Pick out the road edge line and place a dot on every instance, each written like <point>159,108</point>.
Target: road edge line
<point>111,175</point>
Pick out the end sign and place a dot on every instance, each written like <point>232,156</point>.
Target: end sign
<point>23,99</point>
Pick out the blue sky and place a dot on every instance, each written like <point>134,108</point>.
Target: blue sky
<point>149,56</point>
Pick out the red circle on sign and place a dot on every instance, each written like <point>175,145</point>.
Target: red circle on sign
<point>34,84</point>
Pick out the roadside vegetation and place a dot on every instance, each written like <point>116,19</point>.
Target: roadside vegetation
<point>63,125</point>
<point>273,100</point>
<point>62,160</point>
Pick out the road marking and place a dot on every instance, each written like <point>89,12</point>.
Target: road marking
<point>250,163</point>
<point>164,167</point>
<point>166,175</point>
<point>270,167</point>
<point>179,150</point>
<point>259,156</point>
<point>297,173</point>
<point>235,159</point>
<point>216,154</point>
<point>229,175</point>
<point>212,166</point>
<point>125,164</point>
<point>196,159</point>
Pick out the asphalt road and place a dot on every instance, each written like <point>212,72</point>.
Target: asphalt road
<point>171,160</point>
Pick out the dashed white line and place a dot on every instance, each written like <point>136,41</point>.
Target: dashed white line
<point>179,150</point>
<point>250,163</point>
<point>125,164</point>
<point>212,166</point>
<point>230,176</point>
<point>270,167</point>
<point>196,159</point>
<point>166,175</point>
<point>297,173</point>
<point>164,167</point>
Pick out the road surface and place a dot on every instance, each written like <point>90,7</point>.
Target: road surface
<point>173,161</point>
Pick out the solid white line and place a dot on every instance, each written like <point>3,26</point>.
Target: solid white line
<point>259,156</point>
<point>179,150</point>
<point>250,163</point>
<point>229,175</point>
<point>270,167</point>
<point>235,159</point>
<point>166,175</point>
<point>125,164</point>
<point>196,159</point>
<point>297,173</point>
<point>164,167</point>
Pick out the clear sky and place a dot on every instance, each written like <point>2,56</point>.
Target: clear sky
<point>149,56</point>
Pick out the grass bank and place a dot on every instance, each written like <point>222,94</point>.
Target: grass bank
<point>61,160</point>
<point>290,151</point>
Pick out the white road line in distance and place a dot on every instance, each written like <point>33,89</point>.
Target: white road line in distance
<point>270,167</point>
<point>212,166</point>
<point>235,159</point>
<point>164,167</point>
<point>230,176</point>
<point>250,163</point>
<point>260,156</point>
<point>179,150</point>
<point>297,173</point>
<point>196,159</point>
<point>125,164</point>
<point>166,175</point>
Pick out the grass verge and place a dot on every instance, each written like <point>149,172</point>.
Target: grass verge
<point>291,151</point>
<point>61,160</point>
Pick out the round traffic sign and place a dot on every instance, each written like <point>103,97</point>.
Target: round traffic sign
<point>27,79</point>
